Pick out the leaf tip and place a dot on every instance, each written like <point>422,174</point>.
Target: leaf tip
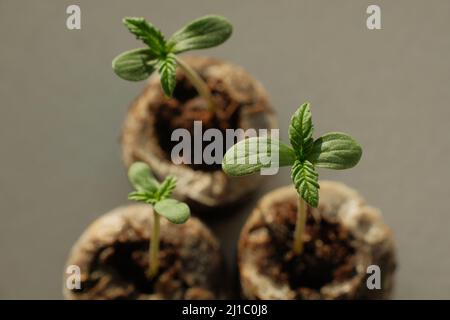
<point>128,20</point>
<point>305,107</point>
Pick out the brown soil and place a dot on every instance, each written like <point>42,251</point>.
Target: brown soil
<point>186,107</point>
<point>242,103</point>
<point>114,267</point>
<point>343,237</point>
<point>128,261</point>
<point>327,255</point>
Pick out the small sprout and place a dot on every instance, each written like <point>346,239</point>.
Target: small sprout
<point>333,151</point>
<point>150,191</point>
<point>161,55</point>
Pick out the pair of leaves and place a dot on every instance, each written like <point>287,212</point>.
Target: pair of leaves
<point>157,194</point>
<point>160,55</point>
<point>333,150</point>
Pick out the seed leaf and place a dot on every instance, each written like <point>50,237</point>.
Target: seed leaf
<point>173,210</point>
<point>148,33</point>
<point>305,179</point>
<point>301,130</point>
<point>134,65</point>
<point>167,71</point>
<point>141,179</point>
<point>205,32</point>
<point>251,155</point>
<point>335,150</point>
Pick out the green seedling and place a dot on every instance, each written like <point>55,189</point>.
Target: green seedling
<point>150,191</point>
<point>333,150</point>
<point>162,55</point>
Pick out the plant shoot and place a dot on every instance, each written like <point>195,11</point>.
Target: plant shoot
<point>333,150</point>
<point>161,55</point>
<point>150,191</point>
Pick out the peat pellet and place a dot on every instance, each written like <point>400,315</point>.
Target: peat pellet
<point>241,102</point>
<point>112,255</point>
<point>343,237</point>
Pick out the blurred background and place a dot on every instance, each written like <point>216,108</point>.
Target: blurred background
<point>62,108</point>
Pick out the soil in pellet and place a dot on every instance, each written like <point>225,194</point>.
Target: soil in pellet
<point>327,256</point>
<point>186,107</point>
<point>120,272</point>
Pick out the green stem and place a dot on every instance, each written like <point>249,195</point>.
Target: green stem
<point>154,248</point>
<point>198,83</point>
<point>300,226</point>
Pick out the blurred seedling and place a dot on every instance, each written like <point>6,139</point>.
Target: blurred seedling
<point>150,191</point>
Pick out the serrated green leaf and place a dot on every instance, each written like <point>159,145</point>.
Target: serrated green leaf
<point>167,71</point>
<point>335,150</point>
<point>166,187</point>
<point>148,190</point>
<point>173,210</point>
<point>134,65</point>
<point>148,33</point>
<point>301,130</point>
<point>251,155</point>
<point>205,32</point>
<point>306,179</point>
<point>142,197</point>
<point>141,178</point>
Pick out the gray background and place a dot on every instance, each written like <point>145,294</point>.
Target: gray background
<point>62,109</point>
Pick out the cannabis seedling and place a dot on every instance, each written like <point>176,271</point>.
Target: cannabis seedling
<point>161,54</point>
<point>150,191</point>
<point>333,150</point>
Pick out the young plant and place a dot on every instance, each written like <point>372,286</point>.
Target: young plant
<point>333,150</point>
<point>161,54</point>
<point>150,191</point>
